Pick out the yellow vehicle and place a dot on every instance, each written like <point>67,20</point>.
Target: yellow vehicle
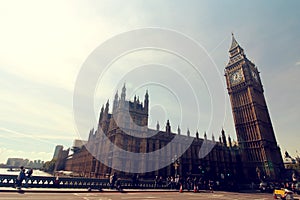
<point>284,194</point>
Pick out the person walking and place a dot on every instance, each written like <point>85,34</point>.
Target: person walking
<point>20,177</point>
<point>135,181</point>
<point>156,182</point>
<point>160,182</point>
<point>28,176</point>
<point>118,184</point>
<point>29,172</point>
<point>177,182</point>
<point>112,180</point>
<point>172,180</point>
<point>211,186</point>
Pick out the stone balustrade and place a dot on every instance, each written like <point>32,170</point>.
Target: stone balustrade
<point>71,182</point>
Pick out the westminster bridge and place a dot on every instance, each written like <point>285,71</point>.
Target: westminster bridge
<point>91,183</point>
<point>72,182</point>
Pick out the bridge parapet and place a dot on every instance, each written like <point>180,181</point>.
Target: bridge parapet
<point>53,182</point>
<point>71,182</point>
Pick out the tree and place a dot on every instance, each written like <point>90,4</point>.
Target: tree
<point>49,166</point>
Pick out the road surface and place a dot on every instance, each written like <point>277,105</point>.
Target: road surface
<point>136,196</point>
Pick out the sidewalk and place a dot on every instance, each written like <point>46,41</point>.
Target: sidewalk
<point>78,190</point>
<point>86,190</point>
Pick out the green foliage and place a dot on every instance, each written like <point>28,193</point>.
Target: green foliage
<point>49,166</point>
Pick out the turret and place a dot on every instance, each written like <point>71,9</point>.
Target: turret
<point>101,113</point>
<point>91,134</point>
<point>197,135</point>
<point>106,107</point>
<point>205,136</point>
<point>105,114</point>
<point>146,101</point>
<point>188,133</point>
<point>178,130</point>
<point>123,94</point>
<point>224,138</point>
<point>168,127</point>
<point>229,141</point>
<point>157,126</point>
<point>116,102</point>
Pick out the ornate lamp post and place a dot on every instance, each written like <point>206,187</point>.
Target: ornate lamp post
<point>176,164</point>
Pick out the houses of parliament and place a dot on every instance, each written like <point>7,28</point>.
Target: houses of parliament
<point>255,156</point>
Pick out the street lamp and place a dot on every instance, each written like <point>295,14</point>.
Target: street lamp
<point>176,164</point>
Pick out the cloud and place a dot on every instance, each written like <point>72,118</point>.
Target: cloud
<point>31,107</point>
<point>38,137</point>
<point>49,48</point>
<point>46,50</point>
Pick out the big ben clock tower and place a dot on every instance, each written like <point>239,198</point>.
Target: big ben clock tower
<point>260,153</point>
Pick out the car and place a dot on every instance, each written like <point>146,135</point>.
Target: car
<point>283,194</point>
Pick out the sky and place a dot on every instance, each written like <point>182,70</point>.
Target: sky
<point>44,45</point>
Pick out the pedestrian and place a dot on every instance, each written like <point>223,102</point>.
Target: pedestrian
<point>160,182</point>
<point>118,184</point>
<point>112,180</point>
<point>135,180</point>
<point>29,172</point>
<point>177,182</point>
<point>180,181</point>
<point>218,185</point>
<point>195,183</point>
<point>56,181</point>
<point>156,182</point>
<point>172,183</point>
<point>28,176</point>
<point>189,183</point>
<point>20,177</point>
<point>168,182</point>
<point>199,186</point>
<point>211,186</point>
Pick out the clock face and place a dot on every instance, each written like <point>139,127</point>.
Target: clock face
<point>254,75</point>
<point>236,76</point>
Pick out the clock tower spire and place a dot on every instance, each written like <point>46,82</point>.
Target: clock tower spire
<point>235,47</point>
<point>252,121</point>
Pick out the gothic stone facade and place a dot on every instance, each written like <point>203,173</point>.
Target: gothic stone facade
<point>253,125</point>
<point>220,161</point>
<point>255,156</point>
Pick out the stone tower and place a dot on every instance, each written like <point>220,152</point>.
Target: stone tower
<point>260,153</point>
<point>130,114</point>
